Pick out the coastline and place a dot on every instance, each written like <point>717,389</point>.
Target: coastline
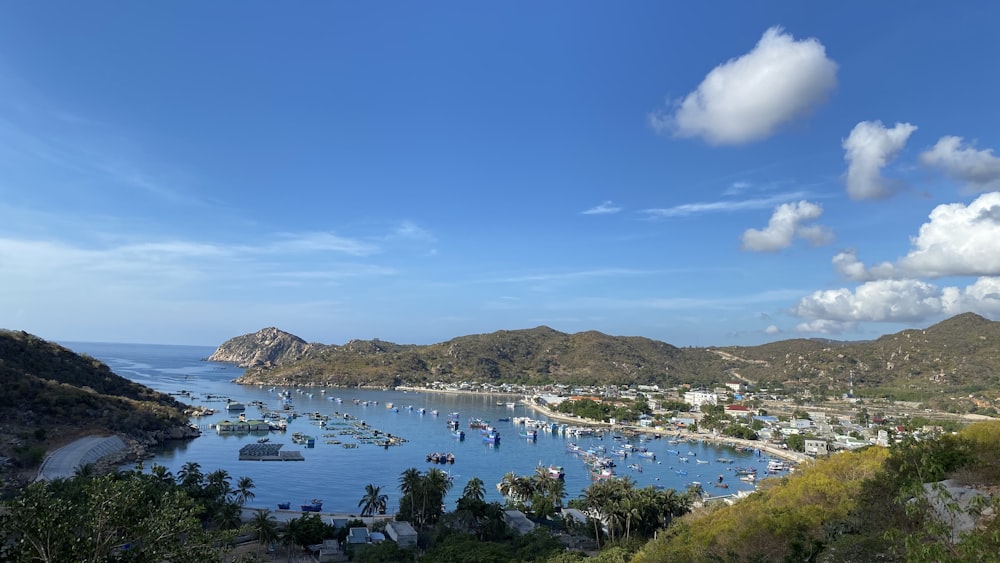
<point>771,449</point>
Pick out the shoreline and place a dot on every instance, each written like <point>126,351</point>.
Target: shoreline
<point>770,449</point>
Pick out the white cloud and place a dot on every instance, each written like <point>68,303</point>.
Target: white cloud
<point>786,223</point>
<point>723,206</point>
<point>894,301</point>
<point>978,170</point>
<point>748,98</point>
<point>867,150</point>
<point>958,240</point>
<point>773,329</point>
<point>606,208</point>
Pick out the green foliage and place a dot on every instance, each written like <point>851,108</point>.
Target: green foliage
<point>422,496</point>
<point>619,409</point>
<point>796,442</point>
<point>129,517</point>
<point>784,521</point>
<point>48,389</point>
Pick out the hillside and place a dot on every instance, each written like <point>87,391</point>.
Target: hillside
<point>51,394</point>
<point>953,365</point>
<point>955,362</point>
<point>534,356</point>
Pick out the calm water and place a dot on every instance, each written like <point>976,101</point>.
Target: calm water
<point>338,475</point>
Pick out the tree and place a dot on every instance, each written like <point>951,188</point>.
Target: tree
<point>474,489</point>
<point>372,501</point>
<point>264,527</point>
<point>795,442</point>
<point>244,490</point>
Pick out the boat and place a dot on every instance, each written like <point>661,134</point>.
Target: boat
<point>605,473</point>
<point>284,505</point>
<point>511,405</point>
<point>681,472</point>
<point>315,506</point>
<point>492,438</point>
<point>458,434</point>
<point>529,435</point>
<point>648,455</point>
<point>557,472</point>
<point>233,406</point>
<point>635,467</point>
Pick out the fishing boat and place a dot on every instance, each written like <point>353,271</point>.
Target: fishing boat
<point>284,505</point>
<point>315,506</point>
<point>530,434</point>
<point>492,438</point>
<point>458,434</point>
<point>604,473</point>
<point>557,472</point>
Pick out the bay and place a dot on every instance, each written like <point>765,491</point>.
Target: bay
<point>338,475</point>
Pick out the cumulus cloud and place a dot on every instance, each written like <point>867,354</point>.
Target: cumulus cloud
<point>773,329</point>
<point>606,208</point>
<point>867,150</point>
<point>907,300</point>
<point>787,222</point>
<point>959,240</point>
<point>978,170</point>
<point>748,98</point>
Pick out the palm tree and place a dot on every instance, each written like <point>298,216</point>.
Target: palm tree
<point>217,485</point>
<point>372,501</point>
<point>409,487</point>
<point>474,489</point>
<point>436,485</point>
<point>506,485</point>
<point>229,516</point>
<point>244,490</point>
<point>190,475</point>
<point>264,527</point>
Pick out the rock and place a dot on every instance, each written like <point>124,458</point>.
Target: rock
<point>266,347</point>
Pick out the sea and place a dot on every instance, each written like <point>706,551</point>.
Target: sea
<point>338,475</point>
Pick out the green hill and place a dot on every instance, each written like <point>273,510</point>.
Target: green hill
<point>953,365</point>
<point>51,394</point>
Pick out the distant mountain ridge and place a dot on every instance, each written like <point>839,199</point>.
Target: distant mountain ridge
<point>960,355</point>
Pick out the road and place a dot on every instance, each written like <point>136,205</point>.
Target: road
<point>62,463</point>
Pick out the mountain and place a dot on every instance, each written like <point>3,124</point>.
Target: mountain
<point>267,347</point>
<point>51,394</point>
<point>955,362</point>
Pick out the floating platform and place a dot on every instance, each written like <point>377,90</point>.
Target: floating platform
<point>268,452</point>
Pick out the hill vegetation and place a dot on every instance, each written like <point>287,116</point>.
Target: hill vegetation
<point>953,365</point>
<point>51,394</point>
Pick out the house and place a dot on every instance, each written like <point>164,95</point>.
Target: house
<point>645,420</point>
<point>402,533</point>
<point>815,447</point>
<point>358,536</point>
<point>518,521</point>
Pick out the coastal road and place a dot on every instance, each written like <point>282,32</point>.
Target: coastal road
<point>63,462</point>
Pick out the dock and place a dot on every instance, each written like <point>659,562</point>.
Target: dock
<point>268,452</point>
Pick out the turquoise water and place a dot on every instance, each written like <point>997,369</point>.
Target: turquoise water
<point>338,476</point>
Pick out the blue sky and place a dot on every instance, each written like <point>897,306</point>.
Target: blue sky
<point>698,173</point>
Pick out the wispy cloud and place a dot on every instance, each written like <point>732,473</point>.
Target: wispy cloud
<point>724,206</point>
<point>606,208</point>
<point>736,188</point>
<point>579,275</point>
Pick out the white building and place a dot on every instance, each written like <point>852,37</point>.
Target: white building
<point>698,398</point>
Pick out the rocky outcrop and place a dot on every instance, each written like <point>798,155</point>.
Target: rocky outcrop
<point>265,348</point>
